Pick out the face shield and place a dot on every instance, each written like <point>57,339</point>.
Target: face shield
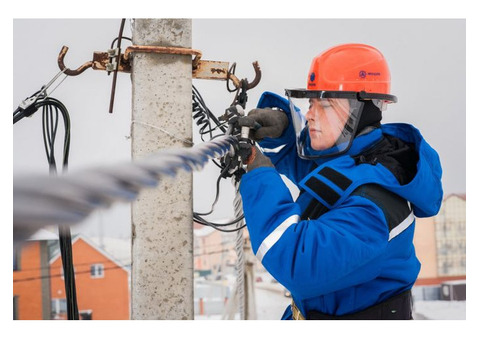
<point>325,122</point>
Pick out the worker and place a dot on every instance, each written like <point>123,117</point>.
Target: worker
<point>344,248</point>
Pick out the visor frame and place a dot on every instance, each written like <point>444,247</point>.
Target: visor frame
<point>362,95</point>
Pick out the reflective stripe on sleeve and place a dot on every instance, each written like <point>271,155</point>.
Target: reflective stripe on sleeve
<point>274,150</point>
<point>275,235</point>
<point>402,226</point>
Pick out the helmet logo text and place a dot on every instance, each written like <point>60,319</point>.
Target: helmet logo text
<point>363,74</point>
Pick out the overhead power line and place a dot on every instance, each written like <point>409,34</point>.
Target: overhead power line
<point>42,200</point>
<point>60,275</point>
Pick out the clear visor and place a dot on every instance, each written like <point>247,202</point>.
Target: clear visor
<point>325,122</point>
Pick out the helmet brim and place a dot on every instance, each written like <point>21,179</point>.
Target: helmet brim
<point>362,95</point>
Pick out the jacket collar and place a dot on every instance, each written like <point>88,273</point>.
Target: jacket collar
<point>361,143</point>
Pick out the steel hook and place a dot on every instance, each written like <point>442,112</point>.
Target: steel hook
<point>258,76</point>
<point>68,71</point>
<point>237,83</point>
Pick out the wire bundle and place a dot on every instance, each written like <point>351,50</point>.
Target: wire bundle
<point>52,109</point>
<point>204,118</point>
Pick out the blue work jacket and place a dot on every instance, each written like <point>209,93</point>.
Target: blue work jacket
<point>360,251</point>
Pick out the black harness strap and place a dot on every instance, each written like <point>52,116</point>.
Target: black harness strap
<point>314,210</point>
<point>336,177</point>
<point>398,307</point>
<point>323,190</point>
<point>394,207</point>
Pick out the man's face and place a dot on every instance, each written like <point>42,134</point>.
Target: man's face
<point>326,119</point>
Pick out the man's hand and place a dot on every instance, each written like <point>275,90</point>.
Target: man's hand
<point>257,159</point>
<point>273,123</point>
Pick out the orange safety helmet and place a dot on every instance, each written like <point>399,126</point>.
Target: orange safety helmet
<point>356,74</point>
<point>353,68</point>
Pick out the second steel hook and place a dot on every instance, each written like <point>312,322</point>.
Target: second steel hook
<point>237,83</point>
<point>68,71</point>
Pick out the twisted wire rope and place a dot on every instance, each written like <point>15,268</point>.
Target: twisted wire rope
<point>40,200</point>
<point>240,263</point>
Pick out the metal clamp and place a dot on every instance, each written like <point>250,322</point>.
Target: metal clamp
<point>114,61</point>
<point>201,69</point>
<point>112,54</point>
<point>164,50</point>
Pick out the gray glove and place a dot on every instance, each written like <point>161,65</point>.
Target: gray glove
<point>257,159</point>
<point>273,123</point>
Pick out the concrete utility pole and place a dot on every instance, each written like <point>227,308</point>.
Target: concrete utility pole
<point>162,233</point>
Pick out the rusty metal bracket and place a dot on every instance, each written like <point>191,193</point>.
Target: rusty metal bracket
<point>201,69</point>
<point>209,69</point>
<point>163,50</point>
<point>101,62</point>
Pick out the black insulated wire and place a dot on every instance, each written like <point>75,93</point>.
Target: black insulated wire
<point>215,200</point>
<point>218,226</point>
<point>203,117</point>
<point>114,40</point>
<point>208,123</point>
<point>197,217</point>
<point>52,110</point>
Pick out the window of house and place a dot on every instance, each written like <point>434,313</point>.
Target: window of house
<point>59,309</point>
<point>96,270</point>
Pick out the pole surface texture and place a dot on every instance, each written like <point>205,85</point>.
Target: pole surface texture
<point>162,233</point>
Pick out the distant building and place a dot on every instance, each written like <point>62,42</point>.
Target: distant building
<point>102,282</point>
<point>426,247</point>
<point>440,243</point>
<point>214,252</point>
<point>450,234</point>
<point>31,278</point>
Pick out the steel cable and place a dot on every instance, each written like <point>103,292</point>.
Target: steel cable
<point>240,264</point>
<point>42,200</point>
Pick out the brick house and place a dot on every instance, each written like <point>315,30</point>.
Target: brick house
<point>31,279</point>
<point>102,283</point>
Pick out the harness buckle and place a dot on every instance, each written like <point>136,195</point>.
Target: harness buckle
<point>296,314</point>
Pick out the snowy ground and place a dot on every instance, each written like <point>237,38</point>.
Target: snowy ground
<point>439,310</point>
<point>271,304</point>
